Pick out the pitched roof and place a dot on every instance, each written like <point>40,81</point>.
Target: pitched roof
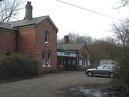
<point>60,47</point>
<point>28,21</point>
<point>5,26</point>
<point>71,46</point>
<point>36,20</point>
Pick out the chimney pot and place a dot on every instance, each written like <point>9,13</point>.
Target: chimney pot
<point>66,39</point>
<point>28,13</point>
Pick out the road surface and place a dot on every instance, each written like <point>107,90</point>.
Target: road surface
<point>49,85</point>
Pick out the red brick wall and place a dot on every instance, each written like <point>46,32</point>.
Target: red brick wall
<point>27,44</point>
<point>31,42</point>
<point>26,40</point>
<point>84,51</point>
<point>7,41</point>
<point>51,46</point>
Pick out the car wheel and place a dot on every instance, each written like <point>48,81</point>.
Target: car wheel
<point>89,74</point>
<point>111,75</point>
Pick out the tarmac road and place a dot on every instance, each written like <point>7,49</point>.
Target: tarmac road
<point>49,85</point>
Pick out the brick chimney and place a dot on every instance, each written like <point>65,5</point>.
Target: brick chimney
<point>28,13</point>
<point>66,39</point>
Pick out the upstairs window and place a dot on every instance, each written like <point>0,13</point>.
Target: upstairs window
<point>46,37</point>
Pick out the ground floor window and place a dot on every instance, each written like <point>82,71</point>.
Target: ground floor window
<point>83,60</point>
<point>8,53</point>
<point>69,62</point>
<point>59,62</point>
<point>65,62</point>
<point>80,62</point>
<point>74,62</point>
<point>88,63</point>
<point>46,59</point>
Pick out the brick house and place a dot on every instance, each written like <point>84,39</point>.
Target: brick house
<point>73,56</point>
<point>7,39</point>
<point>34,37</point>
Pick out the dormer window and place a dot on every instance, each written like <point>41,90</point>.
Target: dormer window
<point>46,37</point>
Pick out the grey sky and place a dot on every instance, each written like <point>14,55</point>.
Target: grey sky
<point>72,19</point>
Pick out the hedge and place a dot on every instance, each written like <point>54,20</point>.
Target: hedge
<point>121,74</point>
<point>17,65</point>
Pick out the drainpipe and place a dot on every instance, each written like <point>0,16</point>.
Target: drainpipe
<point>17,33</point>
<point>77,59</point>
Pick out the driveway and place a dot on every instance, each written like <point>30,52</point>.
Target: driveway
<point>49,85</point>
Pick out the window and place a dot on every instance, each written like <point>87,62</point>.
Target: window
<point>69,62</point>
<point>59,62</point>
<point>74,62</point>
<point>8,53</point>
<point>46,37</point>
<point>46,59</point>
<point>80,62</point>
<point>107,67</point>
<point>85,63</point>
<point>64,62</point>
<point>100,67</point>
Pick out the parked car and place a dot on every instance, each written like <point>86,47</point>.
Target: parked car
<point>101,70</point>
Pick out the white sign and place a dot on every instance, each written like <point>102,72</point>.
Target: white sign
<point>66,54</point>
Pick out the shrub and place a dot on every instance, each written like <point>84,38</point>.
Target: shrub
<point>17,65</point>
<point>121,74</point>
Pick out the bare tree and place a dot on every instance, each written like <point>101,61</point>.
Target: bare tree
<point>76,38</point>
<point>121,74</point>
<point>122,34</point>
<point>124,3</point>
<point>9,9</point>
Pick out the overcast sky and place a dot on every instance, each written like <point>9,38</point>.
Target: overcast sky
<point>75,20</point>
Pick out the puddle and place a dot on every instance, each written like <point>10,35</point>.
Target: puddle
<point>97,92</point>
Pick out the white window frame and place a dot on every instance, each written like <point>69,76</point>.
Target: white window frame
<point>46,59</point>
<point>46,37</point>
<point>80,62</point>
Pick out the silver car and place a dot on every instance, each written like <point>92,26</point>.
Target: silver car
<point>101,70</point>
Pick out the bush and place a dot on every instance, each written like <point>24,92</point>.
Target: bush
<point>17,65</point>
<point>121,74</point>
